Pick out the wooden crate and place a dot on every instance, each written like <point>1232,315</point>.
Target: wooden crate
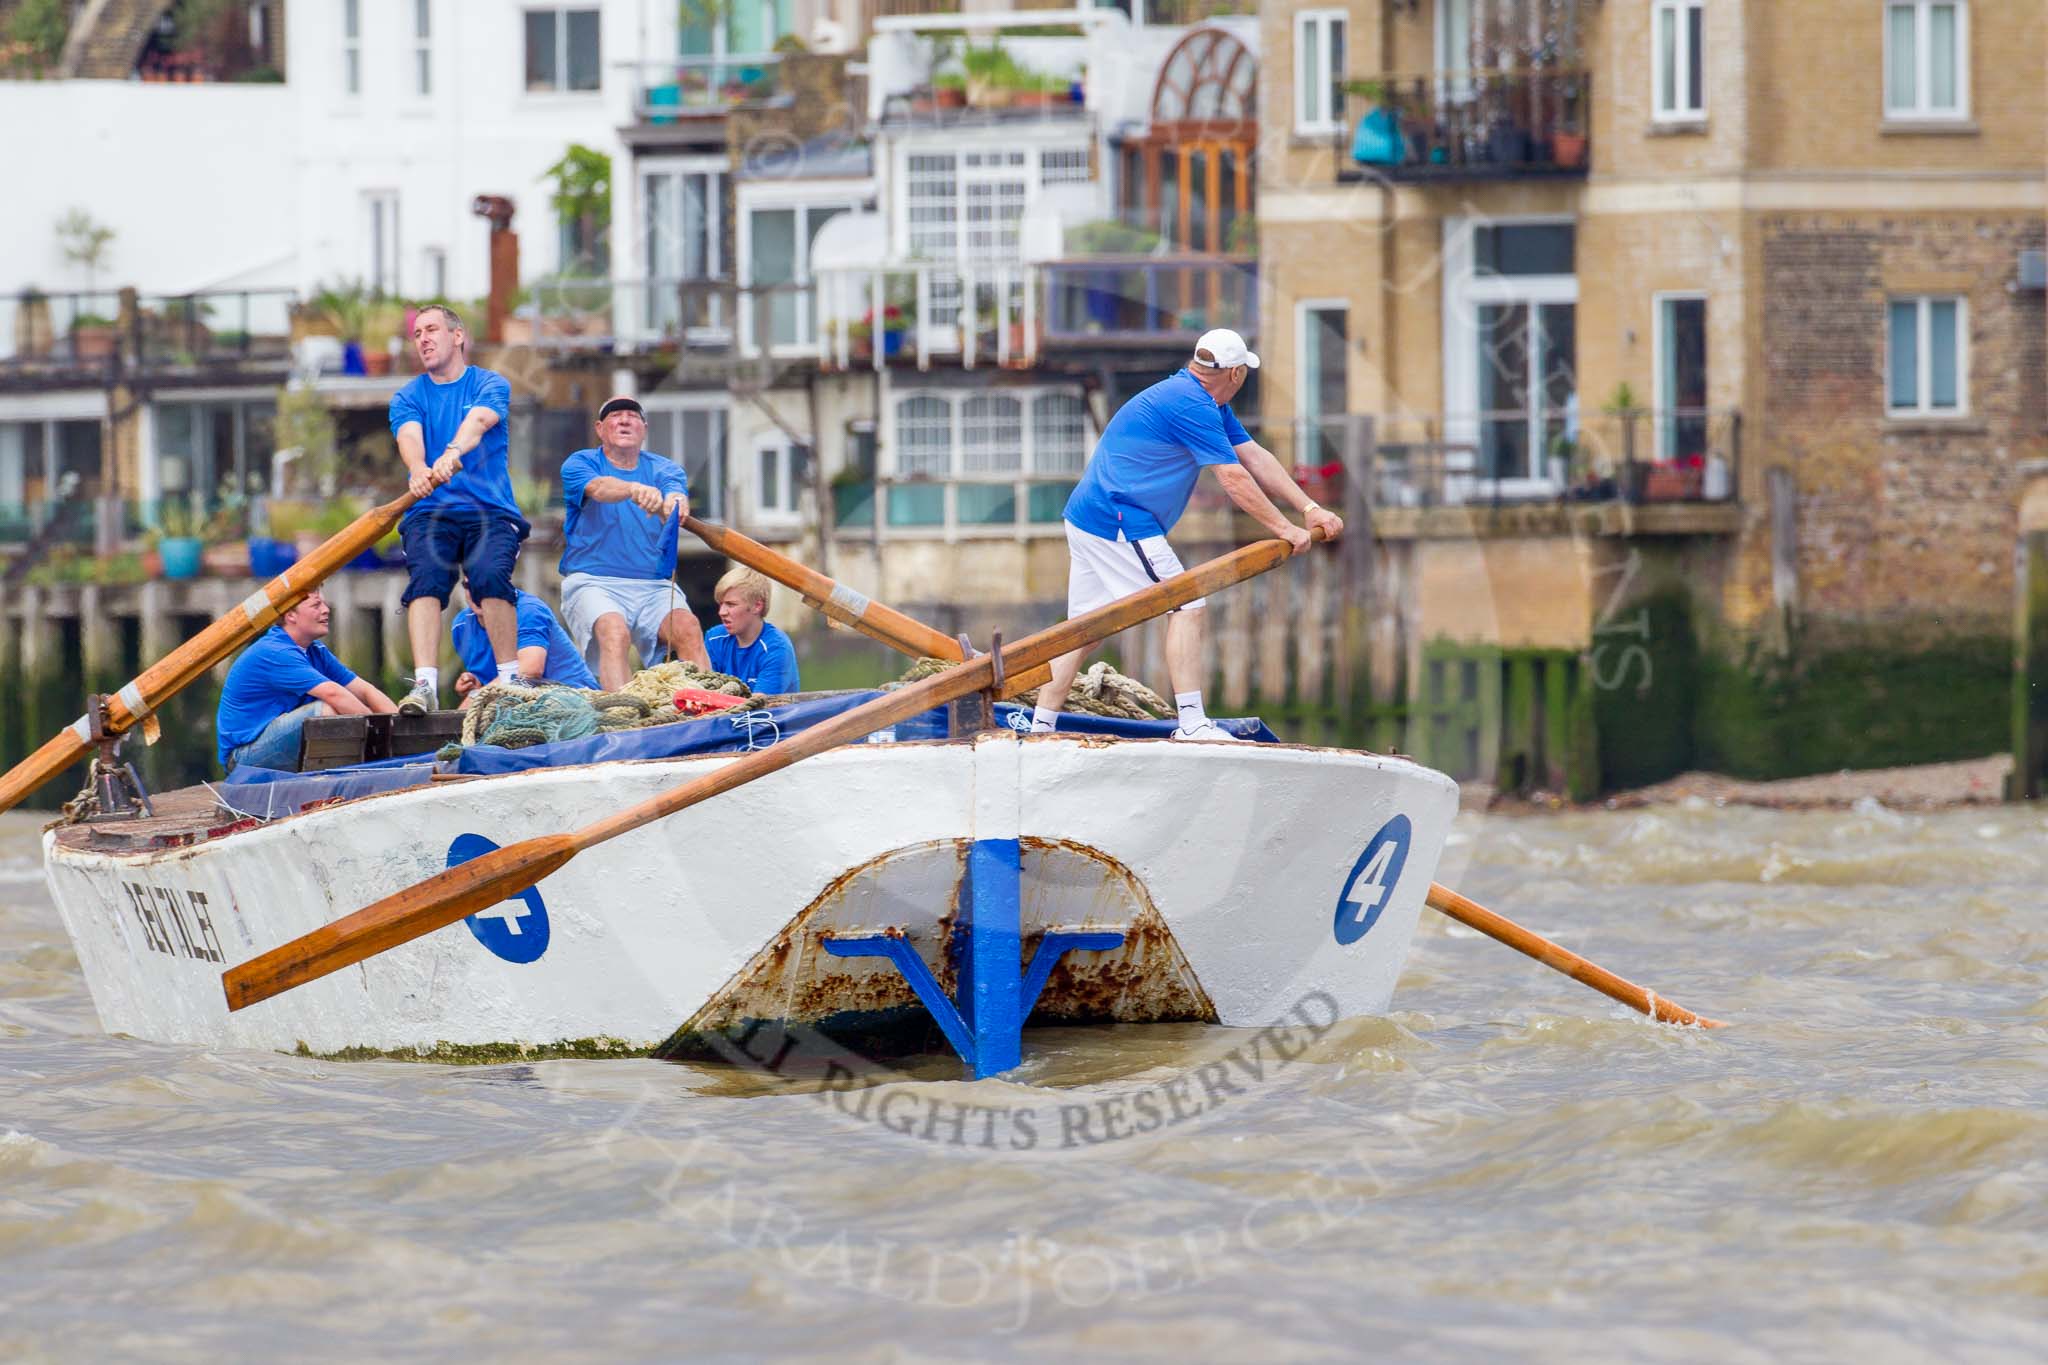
<point>334,742</point>
<point>337,741</point>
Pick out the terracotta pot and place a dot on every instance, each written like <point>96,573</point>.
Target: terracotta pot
<point>951,97</point>
<point>92,343</point>
<point>1568,149</point>
<point>376,363</point>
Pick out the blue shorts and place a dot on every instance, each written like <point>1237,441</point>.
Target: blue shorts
<point>277,744</point>
<point>441,542</point>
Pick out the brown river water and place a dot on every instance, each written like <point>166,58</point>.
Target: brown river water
<point>1507,1167</point>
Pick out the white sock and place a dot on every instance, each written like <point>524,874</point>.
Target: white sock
<point>1044,720</point>
<point>429,678</point>
<point>1192,716</point>
<point>508,671</point>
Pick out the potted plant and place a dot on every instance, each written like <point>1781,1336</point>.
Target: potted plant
<point>1568,146</point>
<point>179,546</point>
<point>93,336</point>
<point>340,310</point>
<point>1621,405</point>
<point>226,535</point>
<point>949,91</point>
<point>33,335</point>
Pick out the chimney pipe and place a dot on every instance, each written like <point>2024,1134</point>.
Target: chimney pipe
<point>504,262</point>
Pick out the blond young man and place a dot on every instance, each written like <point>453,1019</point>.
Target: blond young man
<point>744,644</point>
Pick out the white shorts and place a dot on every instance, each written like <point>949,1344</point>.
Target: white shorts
<point>644,602</point>
<point>1102,571</point>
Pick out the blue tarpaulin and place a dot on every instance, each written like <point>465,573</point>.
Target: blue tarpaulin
<point>268,793</point>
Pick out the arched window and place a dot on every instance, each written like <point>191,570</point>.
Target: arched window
<point>1059,442</point>
<point>991,435</point>
<point>924,436</point>
<point>1208,76</point>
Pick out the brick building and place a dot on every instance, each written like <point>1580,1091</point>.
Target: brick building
<point>1766,276</point>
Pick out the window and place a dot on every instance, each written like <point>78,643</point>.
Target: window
<point>1681,377</point>
<point>778,474</point>
<point>423,47</point>
<point>924,436</point>
<point>382,208</point>
<point>694,437</point>
<point>1324,377</point>
<point>1927,358</point>
<point>1524,248</point>
<point>1926,60</point>
<point>682,243</point>
<point>352,47</point>
<point>1063,166</point>
<point>561,49</point>
<point>1318,71</point>
<point>1680,59</point>
<point>437,272</point>
<point>1059,444</point>
<point>991,435</point>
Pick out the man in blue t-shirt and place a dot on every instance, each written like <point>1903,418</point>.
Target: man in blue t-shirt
<point>450,428</point>
<point>625,506</point>
<point>744,645</point>
<point>546,653</point>
<point>1135,488</point>
<point>279,683</point>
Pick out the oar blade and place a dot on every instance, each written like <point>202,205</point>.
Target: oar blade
<point>440,900</point>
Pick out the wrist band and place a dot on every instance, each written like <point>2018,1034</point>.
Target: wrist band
<point>1313,506</point>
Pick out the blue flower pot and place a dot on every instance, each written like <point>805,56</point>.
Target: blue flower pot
<point>180,555</point>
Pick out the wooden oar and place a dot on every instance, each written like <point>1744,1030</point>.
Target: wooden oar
<point>164,679</point>
<point>857,610</point>
<point>482,882</point>
<point>1500,927</point>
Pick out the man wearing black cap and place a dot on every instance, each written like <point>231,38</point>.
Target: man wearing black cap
<point>618,549</point>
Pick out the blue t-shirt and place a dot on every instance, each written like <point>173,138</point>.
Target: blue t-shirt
<point>485,482</point>
<point>273,676</point>
<point>1145,466</point>
<point>617,539</point>
<point>537,626</point>
<point>768,665</point>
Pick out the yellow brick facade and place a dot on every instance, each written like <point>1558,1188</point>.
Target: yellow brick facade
<point>1798,210</point>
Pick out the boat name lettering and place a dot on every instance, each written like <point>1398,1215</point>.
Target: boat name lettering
<point>175,923</point>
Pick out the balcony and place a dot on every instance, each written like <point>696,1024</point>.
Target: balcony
<point>923,507</point>
<point>673,89</point>
<point>1148,301</point>
<point>85,337</point>
<point>1468,125</point>
<point>1414,465</point>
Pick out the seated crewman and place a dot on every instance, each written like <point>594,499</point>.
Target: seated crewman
<point>282,681</point>
<point>545,649</point>
<point>744,644</point>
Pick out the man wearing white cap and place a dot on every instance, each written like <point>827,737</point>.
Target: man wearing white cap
<point>1136,487</point>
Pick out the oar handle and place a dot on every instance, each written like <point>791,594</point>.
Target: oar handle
<point>177,670</point>
<point>1500,927</point>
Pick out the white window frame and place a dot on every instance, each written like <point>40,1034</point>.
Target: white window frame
<point>777,447</point>
<point>710,503</point>
<point>1464,292</point>
<point>1664,403</point>
<point>422,48</point>
<point>385,241</point>
<point>1920,111</point>
<point>561,13</point>
<point>714,169</point>
<point>1680,111</point>
<point>1304,309</point>
<point>1318,109</point>
<point>352,49</point>
<point>849,197</point>
<point>1026,474</point>
<point>1923,382</point>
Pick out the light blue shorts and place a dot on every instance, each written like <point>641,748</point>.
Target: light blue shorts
<point>644,602</point>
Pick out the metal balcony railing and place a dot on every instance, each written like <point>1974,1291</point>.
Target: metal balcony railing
<point>1150,299</point>
<point>1637,455</point>
<point>88,333</point>
<point>1467,125</point>
<point>666,91</point>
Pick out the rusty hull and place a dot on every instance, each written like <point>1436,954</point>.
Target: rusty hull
<point>914,893</point>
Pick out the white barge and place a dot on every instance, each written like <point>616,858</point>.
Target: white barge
<point>1212,882</point>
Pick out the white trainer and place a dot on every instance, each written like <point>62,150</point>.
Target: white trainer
<point>1208,729</point>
